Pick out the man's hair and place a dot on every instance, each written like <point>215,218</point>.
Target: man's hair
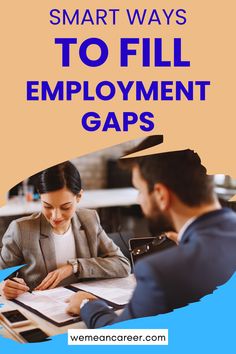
<point>180,171</point>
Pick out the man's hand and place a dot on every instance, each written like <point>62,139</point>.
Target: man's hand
<point>55,277</point>
<point>75,302</point>
<point>172,236</point>
<point>12,289</point>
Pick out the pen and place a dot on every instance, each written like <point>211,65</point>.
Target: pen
<point>12,279</point>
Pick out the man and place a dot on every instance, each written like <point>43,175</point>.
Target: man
<point>173,189</point>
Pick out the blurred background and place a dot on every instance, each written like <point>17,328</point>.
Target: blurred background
<point>108,189</point>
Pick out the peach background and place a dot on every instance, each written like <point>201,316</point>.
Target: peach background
<point>35,135</point>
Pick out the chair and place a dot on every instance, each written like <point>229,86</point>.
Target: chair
<point>121,239</point>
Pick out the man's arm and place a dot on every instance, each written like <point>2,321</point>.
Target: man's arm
<point>148,299</point>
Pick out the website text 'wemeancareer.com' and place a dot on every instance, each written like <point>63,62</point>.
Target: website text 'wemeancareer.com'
<point>118,336</point>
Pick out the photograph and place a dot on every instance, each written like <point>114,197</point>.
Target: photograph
<point>118,182</point>
<point>95,236</point>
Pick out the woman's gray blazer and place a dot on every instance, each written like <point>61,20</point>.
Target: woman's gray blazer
<point>28,241</point>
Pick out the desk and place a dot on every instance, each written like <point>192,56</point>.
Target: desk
<point>37,321</point>
<point>52,330</point>
<point>101,198</point>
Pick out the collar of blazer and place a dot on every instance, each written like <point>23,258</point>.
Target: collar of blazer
<point>47,245</point>
<point>205,220</point>
<point>46,229</point>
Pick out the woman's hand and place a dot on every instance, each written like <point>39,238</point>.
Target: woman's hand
<point>75,301</point>
<point>55,277</point>
<point>12,289</point>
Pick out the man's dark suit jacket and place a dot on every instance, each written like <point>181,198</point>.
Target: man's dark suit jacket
<point>204,259</point>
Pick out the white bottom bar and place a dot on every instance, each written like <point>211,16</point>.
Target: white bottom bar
<point>118,336</point>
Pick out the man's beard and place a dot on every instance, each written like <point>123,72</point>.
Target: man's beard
<point>159,223</point>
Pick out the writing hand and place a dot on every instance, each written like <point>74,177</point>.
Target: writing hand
<point>11,289</point>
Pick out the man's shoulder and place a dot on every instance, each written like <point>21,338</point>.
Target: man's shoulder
<point>212,237</point>
<point>217,224</point>
<point>160,261</point>
<point>225,216</point>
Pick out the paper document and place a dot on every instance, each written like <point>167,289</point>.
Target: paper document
<point>116,290</point>
<point>51,303</point>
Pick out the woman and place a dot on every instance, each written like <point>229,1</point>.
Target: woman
<point>61,245</point>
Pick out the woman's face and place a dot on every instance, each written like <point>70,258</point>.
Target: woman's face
<point>58,207</point>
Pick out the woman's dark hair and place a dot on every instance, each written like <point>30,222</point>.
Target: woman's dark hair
<point>57,177</point>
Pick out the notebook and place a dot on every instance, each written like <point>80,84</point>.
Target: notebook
<point>48,304</point>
